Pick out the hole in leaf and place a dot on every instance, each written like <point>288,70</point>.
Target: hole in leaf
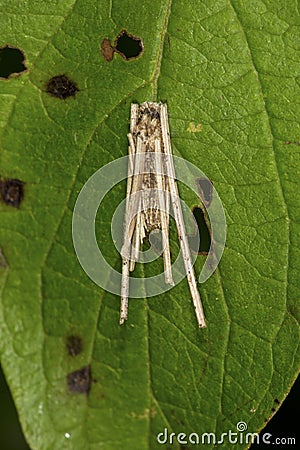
<point>12,192</point>
<point>74,345</point>
<point>128,46</point>
<point>61,87</point>
<point>11,61</point>
<point>80,380</point>
<point>107,50</point>
<point>204,233</point>
<point>205,190</point>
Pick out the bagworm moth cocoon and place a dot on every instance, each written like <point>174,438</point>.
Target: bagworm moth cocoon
<point>151,190</point>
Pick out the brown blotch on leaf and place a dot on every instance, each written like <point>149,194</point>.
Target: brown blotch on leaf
<point>205,190</point>
<point>12,192</point>
<point>128,45</point>
<point>61,87</point>
<point>80,380</point>
<point>107,50</point>
<point>277,401</point>
<point>12,61</point>
<point>74,345</point>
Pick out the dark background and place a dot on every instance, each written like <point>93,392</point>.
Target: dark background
<point>283,424</point>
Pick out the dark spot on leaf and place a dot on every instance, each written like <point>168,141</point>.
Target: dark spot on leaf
<point>128,46</point>
<point>107,50</point>
<point>205,190</point>
<point>61,87</point>
<point>12,192</point>
<point>273,409</point>
<point>80,380</point>
<point>204,233</point>
<point>12,61</point>
<point>74,345</point>
<point>277,401</point>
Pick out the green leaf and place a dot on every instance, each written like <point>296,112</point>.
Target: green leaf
<point>232,67</point>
